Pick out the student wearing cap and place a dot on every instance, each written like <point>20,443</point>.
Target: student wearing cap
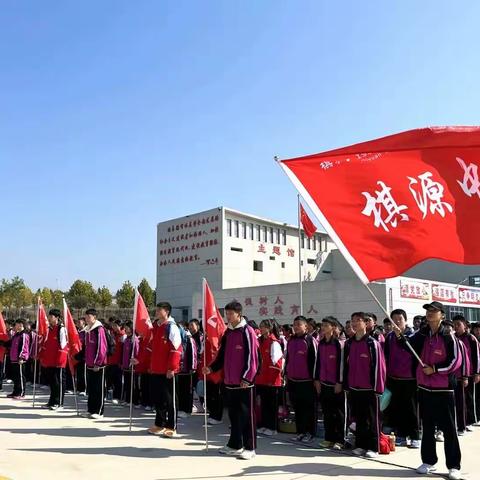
<point>328,384</point>
<point>440,356</point>
<point>238,357</point>
<point>473,375</point>
<point>95,361</point>
<point>19,354</point>
<point>54,359</point>
<point>401,381</point>
<point>364,379</point>
<point>300,363</point>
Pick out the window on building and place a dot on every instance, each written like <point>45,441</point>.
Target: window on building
<point>314,242</point>
<point>236,249</point>
<point>284,237</point>
<point>283,264</point>
<point>303,240</point>
<point>309,243</point>
<point>250,231</point>
<point>257,233</point>
<point>264,233</point>
<point>270,234</point>
<point>229,227</point>
<point>257,266</point>
<point>200,313</point>
<point>272,258</point>
<point>236,228</point>
<point>276,236</point>
<point>311,261</point>
<point>243,230</point>
<point>474,281</point>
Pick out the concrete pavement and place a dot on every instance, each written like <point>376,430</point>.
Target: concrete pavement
<point>38,444</point>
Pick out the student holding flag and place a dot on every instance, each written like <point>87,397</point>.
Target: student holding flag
<point>54,359</point>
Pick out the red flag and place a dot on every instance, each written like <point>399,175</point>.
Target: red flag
<point>307,224</point>
<point>393,202</point>
<point>73,338</point>
<point>42,321</point>
<point>3,330</point>
<point>213,324</point>
<point>141,318</point>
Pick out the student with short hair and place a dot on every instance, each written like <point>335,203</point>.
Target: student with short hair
<point>238,357</point>
<point>95,361</point>
<point>164,365</point>
<point>300,362</point>
<point>19,354</point>
<point>328,383</point>
<point>364,379</point>
<point>130,343</point>
<point>54,359</point>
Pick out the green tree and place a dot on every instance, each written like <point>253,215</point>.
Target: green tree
<point>147,293</point>
<point>104,297</point>
<point>14,293</point>
<point>81,294</point>
<point>57,299</point>
<point>46,296</point>
<point>126,295</point>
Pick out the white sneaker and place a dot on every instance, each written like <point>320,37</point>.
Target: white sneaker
<point>359,452</point>
<point>212,421</point>
<point>9,381</point>
<point>148,409</point>
<point>439,436</point>
<point>261,430</point>
<point>226,450</point>
<point>182,414</point>
<point>425,468</point>
<point>247,455</point>
<point>298,438</point>
<point>415,444</point>
<point>82,394</point>
<point>460,433</point>
<point>307,438</point>
<point>477,424</point>
<point>268,432</point>
<point>469,428</point>
<point>454,474</point>
<point>115,401</point>
<point>371,454</point>
<point>95,416</point>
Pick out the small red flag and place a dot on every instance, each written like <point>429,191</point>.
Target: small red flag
<point>213,324</point>
<point>141,318</point>
<point>73,338</point>
<point>307,224</point>
<point>42,321</point>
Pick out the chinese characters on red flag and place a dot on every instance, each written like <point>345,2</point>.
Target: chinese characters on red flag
<point>393,202</point>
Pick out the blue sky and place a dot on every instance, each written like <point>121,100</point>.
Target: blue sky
<point>115,115</point>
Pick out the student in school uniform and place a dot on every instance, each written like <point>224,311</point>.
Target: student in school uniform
<point>54,359</point>
<point>440,356</point>
<point>472,351</point>
<point>300,362</point>
<point>269,379</point>
<point>364,379</point>
<point>130,343</point>
<point>401,381</point>
<point>19,354</point>
<point>142,368</point>
<point>188,367</point>
<point>238,357</point>
<point>95,361</point>
<point>328,384</point>
<point>164,365</point>
<point>113,371</point>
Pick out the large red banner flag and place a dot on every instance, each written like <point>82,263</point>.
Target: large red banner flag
<point>141,318</point>
<point>307,223</point>
<point>393,202</point>
<point>213,324</point>
<point>73,338</point>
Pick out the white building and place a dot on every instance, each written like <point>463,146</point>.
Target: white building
<point>256,261</point>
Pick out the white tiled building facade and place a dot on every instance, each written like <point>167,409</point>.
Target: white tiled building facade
<point>256,261</point>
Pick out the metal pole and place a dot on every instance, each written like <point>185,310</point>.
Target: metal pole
<point>131,380</point>
<point>300,257</point>
<point>205,364</point>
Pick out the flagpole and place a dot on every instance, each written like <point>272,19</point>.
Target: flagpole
<point>204,364</point>
<point>36,356</point>
<point>300,256</point>
<point>131,358</point>
<point>74,381</point>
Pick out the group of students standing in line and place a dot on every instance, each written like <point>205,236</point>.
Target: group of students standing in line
<point>250,369</point>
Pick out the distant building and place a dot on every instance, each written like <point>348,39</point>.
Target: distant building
<point>255,260</point>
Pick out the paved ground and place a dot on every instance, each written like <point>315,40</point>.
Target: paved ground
<point>38,444</point>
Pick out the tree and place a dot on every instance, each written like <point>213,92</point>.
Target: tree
<point>14,293</point>
<point>81,294</point>
<point>126,295</point>
<point>147,293</point>
<point>104,297</point>
<point>45,295</point>
<point>57,299</point>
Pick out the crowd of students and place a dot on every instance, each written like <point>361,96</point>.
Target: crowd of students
<point>260,373</point>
